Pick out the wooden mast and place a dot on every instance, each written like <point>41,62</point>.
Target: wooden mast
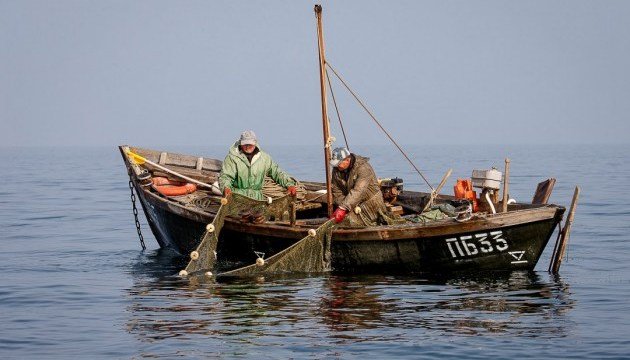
<point>326,127</point>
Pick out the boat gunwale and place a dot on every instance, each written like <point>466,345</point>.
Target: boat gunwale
<point>374,233</point>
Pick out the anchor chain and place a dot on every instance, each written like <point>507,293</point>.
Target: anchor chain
<point>135,214</point>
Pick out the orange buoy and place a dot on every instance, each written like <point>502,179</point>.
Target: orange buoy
<point>168,187</point>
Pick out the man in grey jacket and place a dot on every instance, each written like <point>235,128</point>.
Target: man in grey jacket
<point>355,190</point>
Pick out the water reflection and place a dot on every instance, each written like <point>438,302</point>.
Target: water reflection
<point>337,306</point>
<point>518,303</point>
<point>349,304</point>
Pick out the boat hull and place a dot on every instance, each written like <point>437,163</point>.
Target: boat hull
<point>510,248</point>
<point>513,240</point>
<point>486,246</point>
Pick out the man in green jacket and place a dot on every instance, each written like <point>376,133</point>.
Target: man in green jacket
<point>245,167</point>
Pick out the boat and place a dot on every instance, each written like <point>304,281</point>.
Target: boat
<point>511,239</point>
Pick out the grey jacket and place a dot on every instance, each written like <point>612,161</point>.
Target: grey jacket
<point>358,186</point>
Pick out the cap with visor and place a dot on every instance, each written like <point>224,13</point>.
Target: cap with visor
<point>337,155</point>
<point>248,137</point>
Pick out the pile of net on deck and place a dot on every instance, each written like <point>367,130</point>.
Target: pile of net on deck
<point>460,210</point>
<point>310,254</point>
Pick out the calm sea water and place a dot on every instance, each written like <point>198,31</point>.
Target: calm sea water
<point>75,283</point>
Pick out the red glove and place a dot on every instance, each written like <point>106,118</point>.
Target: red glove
<point>339,215</point>
<point>292,190</point>
<point>227,192</point>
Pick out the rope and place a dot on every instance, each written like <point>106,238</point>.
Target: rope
<point>272,189</point>
<point>332,93</point>
<point>379,124</point>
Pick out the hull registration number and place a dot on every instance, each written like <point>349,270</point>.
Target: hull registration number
<point>482,243</point>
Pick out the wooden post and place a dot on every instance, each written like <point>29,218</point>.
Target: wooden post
<point>506,184</point>
<point>437,190</point>
<point>292,211</point>
<point>326,126</point>
<point>563,239</point>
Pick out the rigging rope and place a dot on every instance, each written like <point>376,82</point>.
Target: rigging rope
<point>379,124</point>
<point>332,93</point>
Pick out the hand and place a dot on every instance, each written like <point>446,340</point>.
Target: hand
<point>227,192</point>
<point>292,190</point>
<point>339,215</point>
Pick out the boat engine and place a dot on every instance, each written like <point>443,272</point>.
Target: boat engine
<point>391,188</point>
<point>489,181</point>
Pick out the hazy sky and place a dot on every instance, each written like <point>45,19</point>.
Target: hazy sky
<point>160,73</point>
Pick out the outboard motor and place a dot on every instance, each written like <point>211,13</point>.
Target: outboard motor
<point>489,181</point>
<point>391,188</point>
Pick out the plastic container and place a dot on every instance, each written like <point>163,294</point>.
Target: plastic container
<point>487,179</point>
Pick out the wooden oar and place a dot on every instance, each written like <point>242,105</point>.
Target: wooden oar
<point>563,239</point>
<point>435,193</point>
<point>141,160</point>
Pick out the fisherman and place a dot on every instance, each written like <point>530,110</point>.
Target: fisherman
<point>355,190</point>
<point>245,167</point>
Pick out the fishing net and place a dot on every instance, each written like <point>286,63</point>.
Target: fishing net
<point>311,254</point>
<point>462,212</point>
<point>273,190</point>
<point>372,212</point>
<point>270,189</point>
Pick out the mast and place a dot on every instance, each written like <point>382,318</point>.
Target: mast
<point>326,127</point>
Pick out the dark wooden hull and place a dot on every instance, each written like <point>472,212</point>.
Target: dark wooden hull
<point>511,241</point>
<point>509,248</point>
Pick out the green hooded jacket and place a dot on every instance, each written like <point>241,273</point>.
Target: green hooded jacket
<point>247,179</point>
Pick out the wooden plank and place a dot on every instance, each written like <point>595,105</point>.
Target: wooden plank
<point>564,236</point>
<point>506,184</point>
<point>163,157</point>
<point>303,206</point>
<point>190,173</point>
<point>212,164</point>
<point>543,191</point>
<point>177,159</point>
<point>435,194</point>
<point>151,155</point>
<point>201,175</point>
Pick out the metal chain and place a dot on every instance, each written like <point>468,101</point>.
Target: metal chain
<point>135,214</point>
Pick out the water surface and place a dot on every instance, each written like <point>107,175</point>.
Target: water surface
<point>76,284</point>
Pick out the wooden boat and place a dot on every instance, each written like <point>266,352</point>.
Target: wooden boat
<point>510,240</point>
<point>513,240</point>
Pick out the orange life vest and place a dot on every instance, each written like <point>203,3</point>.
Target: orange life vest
<point>463,190</point>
